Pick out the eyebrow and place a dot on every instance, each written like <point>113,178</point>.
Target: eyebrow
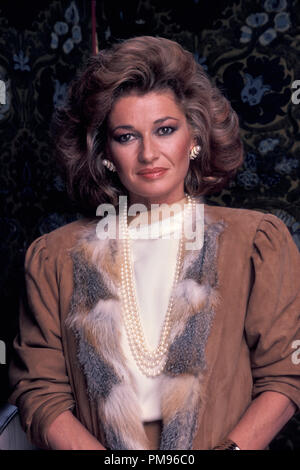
<point>158,121</point>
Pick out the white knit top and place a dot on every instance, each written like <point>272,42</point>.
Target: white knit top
<point>154,268</point>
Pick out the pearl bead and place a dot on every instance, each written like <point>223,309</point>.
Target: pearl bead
<point>150,362</point>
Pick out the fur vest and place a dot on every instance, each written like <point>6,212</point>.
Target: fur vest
<point>96,316</point>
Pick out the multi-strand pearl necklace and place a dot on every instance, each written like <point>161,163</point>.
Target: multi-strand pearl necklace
<point>150,362</point>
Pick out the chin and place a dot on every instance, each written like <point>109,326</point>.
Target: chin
<point>155,195</point>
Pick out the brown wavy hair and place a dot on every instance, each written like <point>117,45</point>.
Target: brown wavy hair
<point>142,64</point>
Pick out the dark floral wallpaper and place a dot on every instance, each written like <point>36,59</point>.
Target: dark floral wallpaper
<point>248,47</point>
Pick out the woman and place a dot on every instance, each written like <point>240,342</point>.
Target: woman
<point>144,343</point>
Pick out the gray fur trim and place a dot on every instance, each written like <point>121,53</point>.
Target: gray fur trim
<point>89,285</point>
<point>210,271</point>
<point>195,270</point>
<point>186,353</point>
<point>100,376</point>
<point>205,262</point>
<point>113,439</point>
<point>178,433</point>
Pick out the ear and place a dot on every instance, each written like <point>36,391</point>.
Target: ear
<point>107,152</point>
<point>193,143</point>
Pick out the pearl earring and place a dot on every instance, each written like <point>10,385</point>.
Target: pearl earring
<point>109,165</point>
<point>195,152</point>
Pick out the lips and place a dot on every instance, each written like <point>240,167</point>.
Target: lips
<point>151,170</point>
<point>153,174</point>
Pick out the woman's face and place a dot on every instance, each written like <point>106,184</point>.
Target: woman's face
<point>147,132</point>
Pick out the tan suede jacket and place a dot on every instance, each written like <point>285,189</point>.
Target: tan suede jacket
<point>235,333</point>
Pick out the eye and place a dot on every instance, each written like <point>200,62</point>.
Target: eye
<point>166,130</point>
<point>123,138</point>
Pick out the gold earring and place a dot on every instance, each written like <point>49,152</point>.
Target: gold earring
<point>195,152</point>
<point>109,165</point>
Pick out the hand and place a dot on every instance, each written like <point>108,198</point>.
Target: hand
<point>67,433</point>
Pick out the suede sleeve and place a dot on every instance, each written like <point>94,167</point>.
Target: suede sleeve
<point>38,376</point>
<point>272,325</point>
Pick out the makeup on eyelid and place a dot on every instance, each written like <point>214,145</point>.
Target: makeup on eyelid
<point>171,129</point>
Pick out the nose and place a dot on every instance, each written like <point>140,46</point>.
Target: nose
<point>148,151</point>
